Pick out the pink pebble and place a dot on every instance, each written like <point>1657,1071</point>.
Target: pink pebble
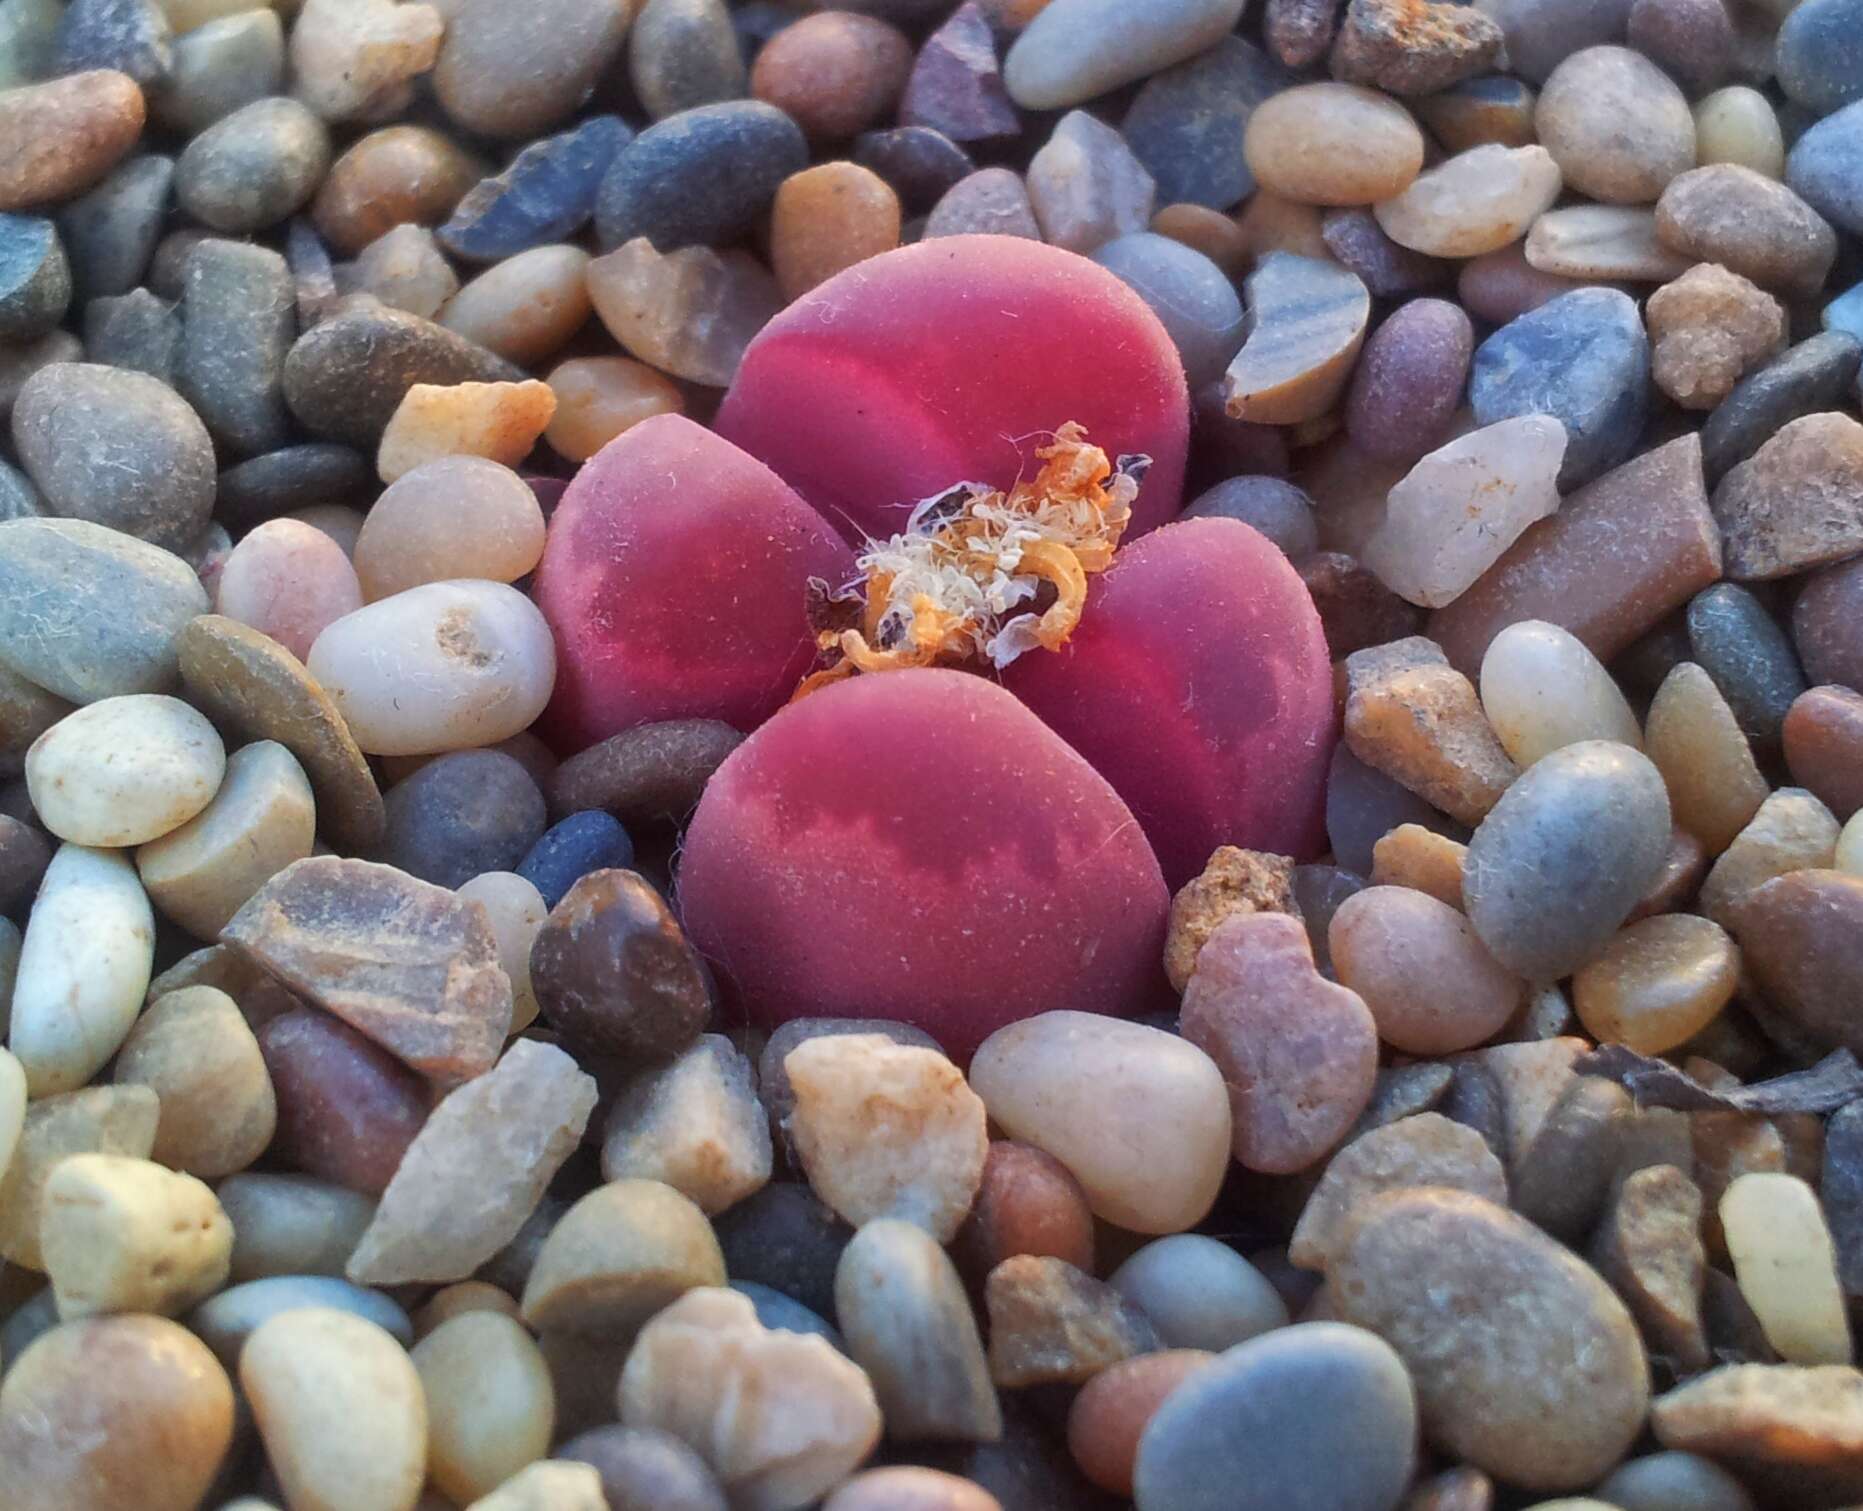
<point>288,580</point>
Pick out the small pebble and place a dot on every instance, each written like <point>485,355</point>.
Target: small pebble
<point>573,847</point>
<point>1270,505</point>
<point>35,277</point>
<point>1308,321</point>
<point>1822,735</point>
<point>525,308</point>
<point>461,815</point>
<point>1691,40</point>
<point>357,59</point>
<point>834,73</point>
<point>689,314</point>
<point>1076,49</point>
<point>1410,50</point>
<point>918,162</point>
<point>956,86</point>
<point>95,1120</point>
<point>289,1225</point>
<point>683,53</point>
<point>599,398</point>
<point>1792,831</point>
<point>1477,201</point>
<point>1086,186</point>
<point>404,269</point>
<point>1199,1293</point>
<point>390,177</point>
<point>545,194</point>
<point>1191,296</point>
<point>1737,125</point>
<point>1543,690</point>
<point>1333,144</point>
<point>645,1469</point>
<point>1234,883</point>
<point>991,201</point>
<point>827,218</point>
<point>124,771</point>
<point>1492,108</point>
<point>1649,1247</point>
<point>225,1321</point>
<point>1710,328</point>
<point>1674,1482</point>
<point>131,36</point>
<point>490,1404</point>
<point>253,168</point>
<point>1027,1203</point>
<point>1361,245</point>
<point>193,1048</point>
<point>503,73</point>
<point>1748,222</point>
<point>1781,511</point>
<point>290,582</point>
<point>500,421</point>
<point>60,137</point>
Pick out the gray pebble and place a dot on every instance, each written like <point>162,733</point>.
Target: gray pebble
<point>220,67</point>
<point>1271,505</point>
<point>1541,34</point>
<point>785,1238</point>
<point>1364,805</point>
<point>645,1469</point>
<point>462,815</point>
<point>254,167</point>
<point>313,273</point>
<point>167,267</point>
<point>1809,378</point>
<point>139,330</point>
<point>35,278</point>
<point>1320,1416</point>
<point>546,194</point>
<point>1841,1187</point>
<point>991,201</point>
<point>238,320</point>
<point>118,448</point>
<point>1557,865</point>
<point>785,1313</point>
<point>87,612</point>
<point>1186,125</point>
<point>1582,358</point>
<point>1562,1178</point>
<point>225,1321</point>
<point>25,852</point>
<point>346,375</point>
<point>112,231</point>
<point>701,177</point>
<point>131,36</point>
<point>1819,58</point>
<point>295,477</point>
<point>919,162</point>
<point>1737,642</point>
<point>682,54</point>
<point>18,498</point>
<point>1356,239</point>
<point>1825,168</point>
<point>1192,298</point>
<point>1673,1481</point>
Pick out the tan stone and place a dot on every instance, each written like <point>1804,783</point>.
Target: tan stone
<point>526,307</point>
<point>1658,983</point>
<point>500,421</point>
<point>598,398</point>
<point>97,1120</point>
<point>1309,320</point>
<point>1715,786</point>
<point>1050,1324</point>
<point>1649,1247</point>
<point>1477,201</point>
<point>125,1235</point>
<point>1333,144</point>
<point>1787,1267</point>
<point>1412,856</point>
<point>194,1050</point>
<point>1234,882</point>
<point>1792,831</point>
<point>689,313</point>
<point>826,219</point>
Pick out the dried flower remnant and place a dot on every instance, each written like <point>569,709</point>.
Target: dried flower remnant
<point>979,574</point>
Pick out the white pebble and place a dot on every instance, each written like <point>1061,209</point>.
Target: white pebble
<point>1542,689</point>
<point>124,771</point>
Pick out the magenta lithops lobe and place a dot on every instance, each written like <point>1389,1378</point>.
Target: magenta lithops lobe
<point>917,845</point>
<point>950,361</point>
<point>674,577</point>
<point>1197,683</point>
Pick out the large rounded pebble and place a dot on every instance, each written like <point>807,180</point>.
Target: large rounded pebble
<point>699,177</point>
<point>683,53</point>
<point>619,1255</point>
<point>444,666</point>
<point>251,169</point>
<point>1430,983</point>
<point>1543,690</point>
<point>1525,1362</point>
<point>1738,125</point>
<point>1658,983</point>
<point>828,218</point>
<point>833,73</point>
<point>1582,359</point>
<point>117,448</point>
<point>1565,855</point>
<point>1409,380</point>
<point>512,73</point>
<point>251,684</point>
<point>218,67</point>
<point>1715,786</point>
<point>1750,224</point>
<point>59,137</point>
<point>461,815</point>
<point>455,517</point>
<point>1477,201</point>
<point>1820,55</point>
<point>1799,936</point>
<point>340,1409</point>
<point>395,176</point>
<point>1333,144</point>
<point>125,770</point>
<point>599,398</point>
<point>83,968</point>
<point>113,1412</point>
<point>1199,1293</point>
<point>1822,167</point>
<point>288,581</point>
<point>35,277</point>
<point>525,307</point>
<point>490,1404</point>
<point>1077,49</point>
<point>1321,1415</point>
<point>1190,295</point>
<point>195,1051</point>
<point>1616,124</point>
<point>1140,1117</point>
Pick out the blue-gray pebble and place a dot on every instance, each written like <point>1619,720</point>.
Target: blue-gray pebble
<point>1271,505</point>
<point>1582,358</point>
<point>462,815</point>
<point>110,233</point>
<point>1557,865</point>
<point>1809,378</point>
<point>920,163</point>
<point>1187,123</point>
<point>588,841</point>
<point>785,1313</point>
<point>35,278</point>
<point>139,330</point>
<point>699,178</point>
<point>1317,1417</point>
<point>1738,643</point>
<point>1819,57</point>
<point>1192,298</point>
<point>546,194</point>
<point>1825,168</point>
<point>18,498</point>
<point>131,36</point>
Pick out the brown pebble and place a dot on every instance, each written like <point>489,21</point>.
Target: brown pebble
<point>58,138</point>
<point>1204,230</point>
<point>1802,935</point>
<point>1726,1146</point>
<point>1649,1247</point>
<point>1797,502</point>
<point>1682,870</point>
<point>456,1300</point>
<point>826,219</point>
<point>1356,610</point>
<point>1234,882</point>
<point>391,177</point>
<point>1110,1414</point>
<point>1823,736</point>
<point>1827,624</point>
<point>1028,1203</point>
<point>1563,1178</point>
<point>1796,1429</point>
<point>910,1489</point>
<point>1658,983</point>
<point>1462,1489</point>
<point>1051,1324</point>
<point>650,774</point>
<point>599,398</point>
<point>834,73</point>
<point>1748,223</point>
<point>1715,785</point>
<point>1412,856</point>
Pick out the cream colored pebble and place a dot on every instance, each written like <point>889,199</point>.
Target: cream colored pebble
<point>550,1485</point>
<point>262,818</point>
<point>515,909</point>
<point>128,1235</point>
<point>83,968</point>
<point>497,420</point>
<point>491,1408</point>
<point>340,1409</point>
<point>95,1120</point>
<point>12,1109</point>
<point>1787,1267</point>
<point>123,771</point>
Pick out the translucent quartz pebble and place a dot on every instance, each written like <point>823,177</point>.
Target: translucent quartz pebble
<point>874,849</point>
<point>1027,333</point>
<point>288,580</point>
<point>1308,322</point>
<point>674,577</point>
<point>457,516</point>
<point>1658,983</point>
<point>1542,689</point>
<point>691,313</point>
<point>1463,505</point>
<point>1198,685</point>
<point>1787,1266</point>
<point>1604,241</point>
<point>444,666</point>
<point>1715,785</point>
<point>1477,201</point>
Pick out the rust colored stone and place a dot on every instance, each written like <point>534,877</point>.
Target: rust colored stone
<point>1824,746</point>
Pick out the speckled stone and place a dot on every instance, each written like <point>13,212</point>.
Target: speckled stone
<point>699,177</point>
<point>1797,502</point>
<point>1408,382</point>
<point>462,815</point>
<point>251,169</point>
<point>545,194</point>
<point>1690,40</point>
<point>1825,166</point>
<point>1820,55</point>
<point>1584,359</point>
<point>683,53</point>
<point>1751,224</point>
<point>131,36</point>
<point>990,201</point>
<point>920,163</point>
<point>1564,856</point>
<point>1187,124</point>
<point>1808,378</point>
<point>1743,648</point>
<point>35,277</point>
<point>239,318</point>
